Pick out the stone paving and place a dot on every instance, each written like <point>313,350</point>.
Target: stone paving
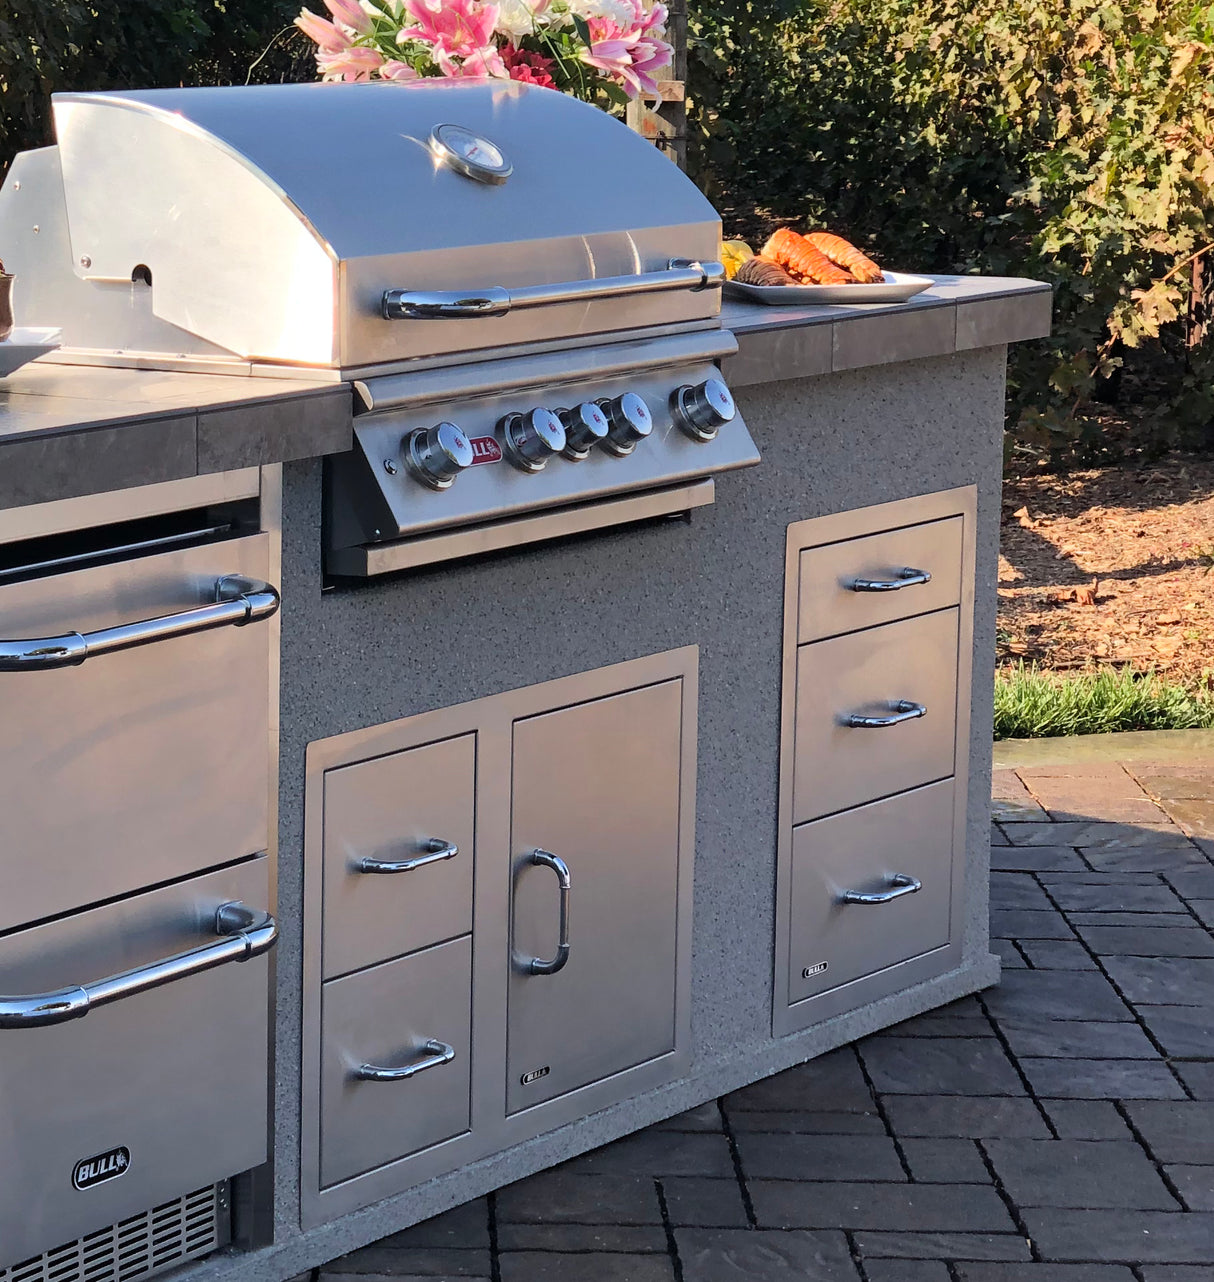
<point>1058,1128</point>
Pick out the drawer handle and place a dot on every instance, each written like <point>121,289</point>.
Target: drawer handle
<point>238,600</point>
<point>243,933</point>
<point>900,884</point>
<point>537,965</point>
<point>904,578</point>
<point>437,1054</point>
<point>437,850</point>
<point>903,710</point>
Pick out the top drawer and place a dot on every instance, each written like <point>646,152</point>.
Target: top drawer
<point>137,766</point>
<point>834,600</point>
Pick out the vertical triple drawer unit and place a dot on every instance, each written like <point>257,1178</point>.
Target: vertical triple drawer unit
<point>874,744</point>
<point>497,923</point>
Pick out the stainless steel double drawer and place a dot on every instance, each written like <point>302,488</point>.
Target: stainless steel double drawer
<point>494,944</point>
<point>878,631</point>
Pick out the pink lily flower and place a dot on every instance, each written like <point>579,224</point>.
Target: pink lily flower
<point>394,70</point>
<point>649,56</point>
<point>350,15</point>
<point>461,27</point>
<point>326,34</point>
<point>349,64</point>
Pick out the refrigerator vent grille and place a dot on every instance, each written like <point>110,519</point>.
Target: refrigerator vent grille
<point>138,1247</point>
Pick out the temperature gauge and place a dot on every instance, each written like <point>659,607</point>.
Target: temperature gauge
<point>470,154</point>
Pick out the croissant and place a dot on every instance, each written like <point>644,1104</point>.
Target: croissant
<point>844,254</point>
<point>762,271</point>
<point>794,253</point>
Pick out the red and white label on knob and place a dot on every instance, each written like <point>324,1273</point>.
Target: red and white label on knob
<point>485,449</point>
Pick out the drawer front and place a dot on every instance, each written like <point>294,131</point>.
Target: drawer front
<point>870,674</point>
<point>385,1018</point>
<point>408,808</point>
<point>872,851</point>
<point>176,1076</point>
<point>176,724</point>
<point>829,602</point>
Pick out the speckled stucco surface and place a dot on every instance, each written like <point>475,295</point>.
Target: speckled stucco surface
<point>357,656</point>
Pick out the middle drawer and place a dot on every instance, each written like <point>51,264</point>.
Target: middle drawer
<point>392,883</point>
<point>884,675</point>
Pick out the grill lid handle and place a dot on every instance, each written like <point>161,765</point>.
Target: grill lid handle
<point>242,932</point>
<point>680,273</point>
<point>238,600</point>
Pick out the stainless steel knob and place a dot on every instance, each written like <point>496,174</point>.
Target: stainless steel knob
<point>529,440</point>
<point>628,422</point>
<point>585,426</point>
<point>437,455</point>
<point>703,410</point>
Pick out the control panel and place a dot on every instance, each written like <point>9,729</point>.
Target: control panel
<point>464,461</point>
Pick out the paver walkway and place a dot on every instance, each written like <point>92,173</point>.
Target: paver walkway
<point>1059,1128</point>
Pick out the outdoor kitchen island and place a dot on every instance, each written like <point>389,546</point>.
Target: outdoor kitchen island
<point>578,824</point>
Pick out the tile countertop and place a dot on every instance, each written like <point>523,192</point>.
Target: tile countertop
<point>69,430</point>
<point>957,314</point>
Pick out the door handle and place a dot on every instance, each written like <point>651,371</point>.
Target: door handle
<point>238,600</point>
<point>899,884</point>
<point>436,851</point>
<point>437,1054</point>
<point>537,965</point>
<point>904,578</point>
<point>243,933</point>
<point>902,710</point>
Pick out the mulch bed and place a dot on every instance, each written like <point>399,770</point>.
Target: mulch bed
<point>1111,565</point>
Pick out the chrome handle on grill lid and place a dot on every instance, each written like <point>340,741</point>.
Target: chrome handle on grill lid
<point>238,600</point>
<point>243,933</point>
<point>441,304</point>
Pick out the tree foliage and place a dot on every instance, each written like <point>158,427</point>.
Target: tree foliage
<point>1069,140</point>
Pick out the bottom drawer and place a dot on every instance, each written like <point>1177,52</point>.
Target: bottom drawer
<point>396,1070</point>
<point>879,851</point>
<point>142,1100</point>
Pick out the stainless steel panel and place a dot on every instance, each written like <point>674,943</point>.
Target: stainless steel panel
<point>138,766</point>
<point>869,674</point>
<point>831,603</point>
<point>384,1018</point>
<point>865,852</point>
<point>597,785</point>
<point>181,1069</point>
<point>387,810</point>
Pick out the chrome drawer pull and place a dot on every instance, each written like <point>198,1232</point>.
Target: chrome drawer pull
<point>437,1054</point>
<point>238,601</point>
<point>905,578</point>
<point>903,710</point>
<point>244,932</point>
<point>537,965</point>
<point>900,884</point>
<point>437,849</point>
<point>449,304</point>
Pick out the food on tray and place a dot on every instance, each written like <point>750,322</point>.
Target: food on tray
<point>797,256</point>
<point>733,254</point>
<point>844,254</point>
<point>762,271</point>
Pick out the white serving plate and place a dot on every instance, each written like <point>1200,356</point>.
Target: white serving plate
<point>24,345</point>
<point>897,287</point>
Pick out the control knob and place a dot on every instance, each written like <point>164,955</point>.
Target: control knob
<point>701,411</point>
<point>437,455</point>
<point>628,422</point>
<point>529,440</point>
<point>585,426</point>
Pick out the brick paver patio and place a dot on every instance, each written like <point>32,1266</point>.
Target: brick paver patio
<point>1059,1128</point>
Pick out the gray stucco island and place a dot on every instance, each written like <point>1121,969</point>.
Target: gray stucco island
<point>469,695</point>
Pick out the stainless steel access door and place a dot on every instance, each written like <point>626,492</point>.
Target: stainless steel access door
<point>596,791</point>
<point>138,766</point>
<point>167,1088</point>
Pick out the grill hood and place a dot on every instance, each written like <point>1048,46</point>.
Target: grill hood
<point>272,220</point>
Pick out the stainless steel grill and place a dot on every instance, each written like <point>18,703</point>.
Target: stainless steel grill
<point>139,1246</point>
<point>523,291</point>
